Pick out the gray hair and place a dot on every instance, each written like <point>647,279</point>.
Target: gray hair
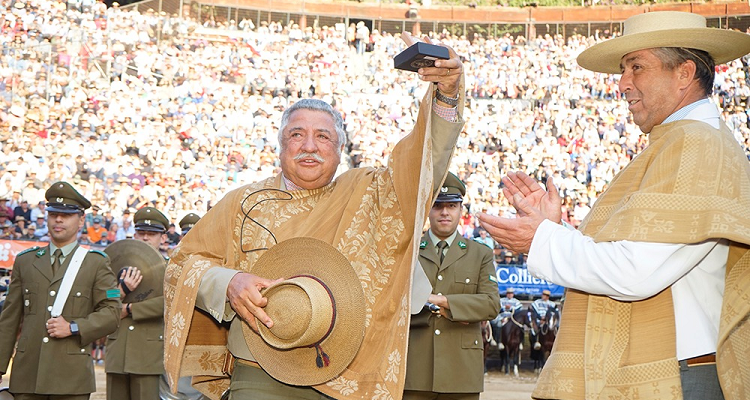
<point>672,57</point>
<point>315,105</point>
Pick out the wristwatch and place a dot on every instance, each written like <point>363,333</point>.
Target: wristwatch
<point>74,328</point>
<point>451,101</point>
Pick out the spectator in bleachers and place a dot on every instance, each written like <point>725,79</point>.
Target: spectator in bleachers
<point>42,231</point>
<point>170,105</point>
<point>20,230</point>
<point>23,210</point>
<point>126,229</point>
<point>39,210</point>
<point>5,219</point>
<point>173,237</point>
<point>97,233</point>
<point>30,233</point>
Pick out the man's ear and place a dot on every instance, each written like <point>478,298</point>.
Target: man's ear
<point>687,72</point>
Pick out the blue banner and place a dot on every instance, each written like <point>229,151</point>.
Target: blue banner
<point>519,278</point>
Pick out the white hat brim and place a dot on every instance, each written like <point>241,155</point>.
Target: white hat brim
<point>723,45</point>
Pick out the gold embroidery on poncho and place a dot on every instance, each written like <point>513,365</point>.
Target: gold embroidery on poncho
<point>372,216</point>
<point>692,183</point>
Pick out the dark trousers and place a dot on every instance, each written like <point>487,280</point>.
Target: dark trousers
<point>132,387</point>
<point>421,395</point>
<point>31,396</point>
<point>700,382</point>
<point>251,383</point>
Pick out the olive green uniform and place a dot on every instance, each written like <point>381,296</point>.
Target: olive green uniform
<point>135,352</point>
<point>446,354</point>
<point>56,366</point>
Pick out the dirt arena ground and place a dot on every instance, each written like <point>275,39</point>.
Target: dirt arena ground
<point>497,385</point>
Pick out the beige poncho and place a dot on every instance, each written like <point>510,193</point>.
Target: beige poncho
<point>692,183</point>
<point>372,216</point>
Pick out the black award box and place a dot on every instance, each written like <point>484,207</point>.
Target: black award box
<point>419,55</point>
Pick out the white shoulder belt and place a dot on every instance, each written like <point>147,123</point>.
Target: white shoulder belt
<point>68,279</point>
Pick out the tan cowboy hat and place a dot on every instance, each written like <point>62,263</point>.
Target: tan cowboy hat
<point>665,29</point>
<point>318,313</point>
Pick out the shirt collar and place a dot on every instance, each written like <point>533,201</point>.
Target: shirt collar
<point>448,240</point>
<point>702,110</point>
<point>289,185</point>
<point>66,250</point>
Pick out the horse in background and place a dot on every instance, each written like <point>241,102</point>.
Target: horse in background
<point>487,340</point>
<point>511,339</point>
<point>543,334</point>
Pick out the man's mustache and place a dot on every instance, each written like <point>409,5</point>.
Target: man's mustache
<point>315,156</point>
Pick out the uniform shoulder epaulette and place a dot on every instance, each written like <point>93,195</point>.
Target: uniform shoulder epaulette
<point>29,250</point>
<point>101,253</point>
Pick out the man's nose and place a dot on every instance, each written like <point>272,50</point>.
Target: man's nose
<point>309,145</point>
<point>625,84</point>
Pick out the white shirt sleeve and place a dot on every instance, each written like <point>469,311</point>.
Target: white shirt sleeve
<point>623,270</point>
<point>212,293</point>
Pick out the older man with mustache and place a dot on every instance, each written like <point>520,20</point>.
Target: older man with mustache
<point>372,216</point>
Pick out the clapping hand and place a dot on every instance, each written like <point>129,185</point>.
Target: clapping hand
<point>533,204</point>
<point>547,201</point>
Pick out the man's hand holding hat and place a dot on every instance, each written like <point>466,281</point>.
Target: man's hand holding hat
<point>246,300</point>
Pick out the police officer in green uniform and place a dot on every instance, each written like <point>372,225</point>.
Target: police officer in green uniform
<point>52,359</point>
<point>445,358</point>
<point>188,222</point>
<point>134,360</point>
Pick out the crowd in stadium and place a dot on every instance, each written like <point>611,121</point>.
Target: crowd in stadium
<point>137,108</point>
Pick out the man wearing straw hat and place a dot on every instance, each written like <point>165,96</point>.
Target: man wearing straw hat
<point>659,272</point>
<point>371,218</point>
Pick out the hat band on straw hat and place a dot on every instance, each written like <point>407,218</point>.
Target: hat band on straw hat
<point>322,306</point>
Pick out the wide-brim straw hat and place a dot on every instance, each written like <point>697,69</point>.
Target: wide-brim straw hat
<point>665,29</point>
<point>318,313</point>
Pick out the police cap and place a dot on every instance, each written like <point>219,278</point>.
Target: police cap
<point>150,219</point>
<point>63,198</point>
<point>188,221</point>
<point>453,190</point>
